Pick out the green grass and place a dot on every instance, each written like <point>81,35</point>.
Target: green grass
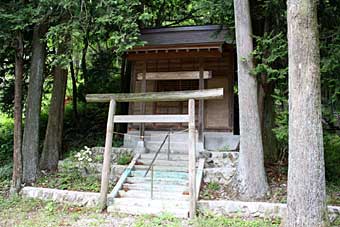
<point>221,221</point>
<point>167,220</point>
<point>20,212</point>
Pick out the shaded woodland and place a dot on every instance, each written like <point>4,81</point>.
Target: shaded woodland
<point>55,52</point>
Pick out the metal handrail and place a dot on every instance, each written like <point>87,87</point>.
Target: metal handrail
<point>154,158</point>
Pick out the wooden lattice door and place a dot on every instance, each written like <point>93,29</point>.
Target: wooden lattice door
<point>178,107</point>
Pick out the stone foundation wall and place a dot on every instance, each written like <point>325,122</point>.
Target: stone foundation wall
<point>220,207</point>
<point>253,209</point>
<point>221,167</point>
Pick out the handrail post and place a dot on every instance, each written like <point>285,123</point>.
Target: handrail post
<point>169,144</point>
<point>192,158</point>
<point>104,186</point>
<point>152,182</point>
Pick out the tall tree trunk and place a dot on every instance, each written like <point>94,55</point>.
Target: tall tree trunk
<point>267,116</point>
<point>83,60</point>
<point>306,172</point>
<point>17,156</point>
<point>253,182</point>
<point>74,92</point>
<point>54,131</point>
<point>30,145</point>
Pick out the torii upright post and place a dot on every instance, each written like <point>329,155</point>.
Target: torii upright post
<point>192,158</point>
<point>107,156</point>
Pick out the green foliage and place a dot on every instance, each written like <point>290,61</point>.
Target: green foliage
<point>271,56</point>
<point>214,186</point>
<point>333,196</point>
<point>6,142</point>
<point>124,159</point>
<point>281,130</point>
<point>6,171</point>
<point>69,178</point>
<point>4,188</point>
<point>332,157</point>
<point>89,132</point>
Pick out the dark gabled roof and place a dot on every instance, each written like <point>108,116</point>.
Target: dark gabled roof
<point>186,35</point>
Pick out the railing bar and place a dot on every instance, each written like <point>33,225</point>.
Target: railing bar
<point>154,158</point>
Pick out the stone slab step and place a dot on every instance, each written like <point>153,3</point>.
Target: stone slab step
<point>179,213</point>
<point>161,162</point>
<point>157,187</point>
<point>163,168</point>
<point>160,195</point>
<point>161,174</point>
<point>175,147</point>
<point>158,180</point>
<point>164,156</point>
<point>147,206</point>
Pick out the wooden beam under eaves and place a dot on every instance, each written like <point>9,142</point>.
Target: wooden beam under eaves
<point>180,75</point>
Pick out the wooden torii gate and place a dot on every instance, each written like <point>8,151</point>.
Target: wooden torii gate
<point>169,118</point>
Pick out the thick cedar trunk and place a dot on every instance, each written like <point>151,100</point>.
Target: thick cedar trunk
<point>74,92</point>
<point>30,145</point>
<point>306,173</point>
<point>267,116</point>
<point>54,131</point>
<point>253,182</point>
<point>17,156</point>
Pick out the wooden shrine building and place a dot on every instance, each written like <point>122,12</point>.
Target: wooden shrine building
<point>178,59</point>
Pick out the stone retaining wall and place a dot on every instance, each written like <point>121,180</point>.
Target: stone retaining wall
<point>253,209</point>
<point>89,199</point>
<point>218,207</point>
<point>221,167</point>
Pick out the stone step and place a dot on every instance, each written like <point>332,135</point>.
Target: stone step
<point>161,174</point>
<point>163,168</point>
<point>174,137</point>
<point>158,180</point>
<point>175,147</point>
<point>147,206</point>
<point>160,195</point>
<point>161,162</point>
<point>164,156</point>
<point>156,187</point>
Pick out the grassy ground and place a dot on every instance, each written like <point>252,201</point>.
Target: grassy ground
<point>18,212</point>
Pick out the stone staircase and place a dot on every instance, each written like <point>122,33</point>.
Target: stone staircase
<point>170,187</point>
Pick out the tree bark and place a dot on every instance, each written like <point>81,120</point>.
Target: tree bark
<point>306,173</point>
<point>54,131</point>
<point>74,92</point>
<point>253,183</point>
<point>267,116</point>
<point>83,59</point>
<point>17,156</point>
<point>30,145</point>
